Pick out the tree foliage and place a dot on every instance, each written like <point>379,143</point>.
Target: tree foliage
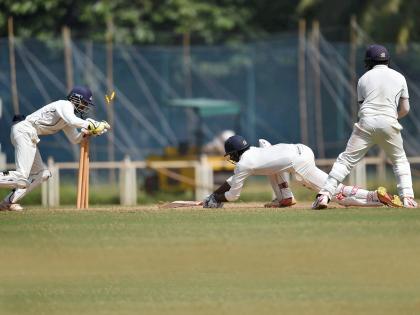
<point>163,21</point>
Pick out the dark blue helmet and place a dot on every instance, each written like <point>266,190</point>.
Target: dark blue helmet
<point>235,146</point>
<point>376,54</point>
<point>81,97</point>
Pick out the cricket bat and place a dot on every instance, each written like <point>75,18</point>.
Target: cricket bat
<point>181,203</point>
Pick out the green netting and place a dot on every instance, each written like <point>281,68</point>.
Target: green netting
<point>257,81</point>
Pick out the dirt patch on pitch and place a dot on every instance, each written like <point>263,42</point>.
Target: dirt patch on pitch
<point>239,206</point>
<point>234,206</point>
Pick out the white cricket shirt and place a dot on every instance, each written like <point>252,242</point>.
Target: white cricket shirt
<point>379,91</point>
<point>55,117</point>
<point>260,161</point>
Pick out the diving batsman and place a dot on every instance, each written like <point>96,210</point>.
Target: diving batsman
<point>276,160</point>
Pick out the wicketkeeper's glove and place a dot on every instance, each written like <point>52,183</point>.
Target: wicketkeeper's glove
<point>211,202</point>
<point>97,128</point>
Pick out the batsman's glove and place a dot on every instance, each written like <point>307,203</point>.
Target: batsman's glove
<point>211,202</point>
<point>97,128</point>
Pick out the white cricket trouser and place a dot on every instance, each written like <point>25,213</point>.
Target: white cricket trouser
<point>278,182</point>
<point>313,178</point>
<point>380,130</point>
<point>28,160</point>
<point>35,179</point>
<point>27,157</point>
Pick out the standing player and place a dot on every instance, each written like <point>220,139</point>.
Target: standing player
<point>383,95</point>
<point>277,159</point>
<point>60,115</point>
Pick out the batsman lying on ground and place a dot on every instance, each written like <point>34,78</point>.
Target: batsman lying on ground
<point>50,119</point>
<point>275,160</point>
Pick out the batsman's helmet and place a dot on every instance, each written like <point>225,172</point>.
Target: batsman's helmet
<point>376,54</point>
<point>81,97</point>
<point>235,146</point>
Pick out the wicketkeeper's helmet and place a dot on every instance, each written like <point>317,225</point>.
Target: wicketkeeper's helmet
<point>235,146</point>
<point>376,54</point>
<point>81,97</point>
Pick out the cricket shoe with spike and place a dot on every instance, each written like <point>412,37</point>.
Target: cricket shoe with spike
<point>6,206</point>
<point>387,199</point>
<point>275,203</point>
<point>321,202</point>
<point>409,202</point>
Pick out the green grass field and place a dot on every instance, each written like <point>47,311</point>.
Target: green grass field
<point>231,261</point>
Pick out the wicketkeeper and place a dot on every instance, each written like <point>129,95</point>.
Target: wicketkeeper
<point>383,97</point>
<point>275,160</point>
<point>59,115</point>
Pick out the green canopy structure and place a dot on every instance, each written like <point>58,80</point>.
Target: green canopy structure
<point>206,107</point>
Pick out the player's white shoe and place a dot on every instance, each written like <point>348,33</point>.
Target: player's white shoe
<point>388,199</point>
<point>275,203</point>
<point>321,202</point>
<point>6,206</point>
<point>409,202</point>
